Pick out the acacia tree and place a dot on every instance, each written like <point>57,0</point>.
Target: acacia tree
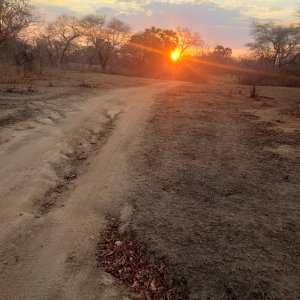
<point>159,39</point>
<point>154,42</point>
<point>222,52</point>
<point>15,15</point>
<point>277,45</point>
<point>106,37</point>
<point>147,50</point>
<point>188,40</point>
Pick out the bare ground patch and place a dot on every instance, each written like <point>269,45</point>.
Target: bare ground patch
<point>52,94</point>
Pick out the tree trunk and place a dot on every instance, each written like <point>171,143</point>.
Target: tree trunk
<point>103,61</point>
<point>50,56</point>
<point>63,54</point>
<point>103,65</point>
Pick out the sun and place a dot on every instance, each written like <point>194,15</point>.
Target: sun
<point>175,55</point>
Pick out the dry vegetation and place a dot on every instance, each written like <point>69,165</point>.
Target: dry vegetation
<point>216,187</point>
<point>133,266</point>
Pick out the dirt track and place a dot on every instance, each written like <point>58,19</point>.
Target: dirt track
<point>201,175</point>
<point>50,255</point>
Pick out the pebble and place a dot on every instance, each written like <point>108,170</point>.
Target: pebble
<point>118,243</point>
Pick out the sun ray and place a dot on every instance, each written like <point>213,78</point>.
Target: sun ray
<point>214,64</point>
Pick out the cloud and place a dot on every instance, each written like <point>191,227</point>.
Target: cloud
<point>219,21</point>
<point>51,12</point>
<point>262,9</point>
<point>276,10</point>
<point>216,24</point>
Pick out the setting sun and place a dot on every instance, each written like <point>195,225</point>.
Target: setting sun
<point>175,55</point>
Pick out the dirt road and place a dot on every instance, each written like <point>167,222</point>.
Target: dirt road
<point>54,197</point>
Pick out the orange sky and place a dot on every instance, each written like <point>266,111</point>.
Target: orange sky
<point>224,22</point>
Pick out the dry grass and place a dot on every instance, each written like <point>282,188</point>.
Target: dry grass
<point>293,110</point>
<point>212,200</point>
<point>10,74</point>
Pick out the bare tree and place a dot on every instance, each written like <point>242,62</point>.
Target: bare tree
<point>15,15</point>
<point>188,40</point>
<point>60,35</point>
<point>277,45</point>
<point>106,37</point>
<point>48,39</point>
<point>94,33</point>
<point>66,30</point>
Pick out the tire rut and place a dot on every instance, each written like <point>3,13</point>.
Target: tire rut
<point>76,163</point>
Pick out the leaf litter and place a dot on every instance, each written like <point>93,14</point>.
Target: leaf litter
<point>134,267</point>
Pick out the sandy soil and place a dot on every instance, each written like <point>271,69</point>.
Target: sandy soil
<point>202,175</point>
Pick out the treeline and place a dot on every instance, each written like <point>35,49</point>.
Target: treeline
<point>96,43</point>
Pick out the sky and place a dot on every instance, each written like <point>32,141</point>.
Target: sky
<point>220,22</point>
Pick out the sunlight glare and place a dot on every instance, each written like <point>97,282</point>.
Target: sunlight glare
<point>175,55</point>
